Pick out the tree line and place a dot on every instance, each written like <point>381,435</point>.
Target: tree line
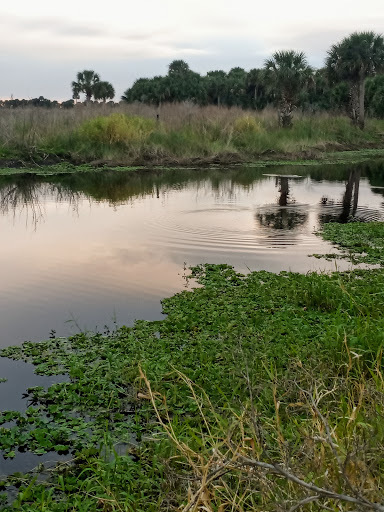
<point>36,102</point>
<point>351,81</point>
<point>87,82</point>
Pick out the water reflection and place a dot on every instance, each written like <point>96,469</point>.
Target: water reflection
<point>25,195</point>
<point>352,186</point>
<point>284,219</point>
<point>22,194</point>
<point>284,189</point>
<point>107,245</point>
<point>289,216</point>
<point>348,208</point>
<point>126,246</point>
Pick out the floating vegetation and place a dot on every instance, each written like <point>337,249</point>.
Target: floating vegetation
<point>42,168</point>
<point>361,242</point>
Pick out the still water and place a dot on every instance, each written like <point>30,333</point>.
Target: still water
<point>85,251</point>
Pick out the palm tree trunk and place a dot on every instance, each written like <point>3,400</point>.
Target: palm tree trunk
<point>361,103</point>
<point>354,106</point>
<point>285,113</point>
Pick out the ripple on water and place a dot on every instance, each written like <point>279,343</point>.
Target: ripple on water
<point>336,212</point>
<point>235,230</point>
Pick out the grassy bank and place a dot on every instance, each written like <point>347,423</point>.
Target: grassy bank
<point>131,135</point>
<point>259,392</point>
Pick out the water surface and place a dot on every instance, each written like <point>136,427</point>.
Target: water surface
<point>89,250</point>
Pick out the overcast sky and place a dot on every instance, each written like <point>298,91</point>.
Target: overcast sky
<point>43,43</point>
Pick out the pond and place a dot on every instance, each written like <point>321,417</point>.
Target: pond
<point>98,249</point>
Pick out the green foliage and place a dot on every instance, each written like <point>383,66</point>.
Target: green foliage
<point>375,96</point>
<point>224,137</point>
<point>287,72</point>
<point>116,129</point>
<point>362,242</point>
<point>86,81</point>
<point>356,57</point>
<point>103,91</point>
<point>89,83</point>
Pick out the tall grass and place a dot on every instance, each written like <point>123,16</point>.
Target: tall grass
<point>318,442</point>
<point>181,132</point>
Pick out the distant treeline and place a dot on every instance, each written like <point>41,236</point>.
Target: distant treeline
<point>249,90</point>
<point>38,102</point>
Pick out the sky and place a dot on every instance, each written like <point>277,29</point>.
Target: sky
<point>44,43</point>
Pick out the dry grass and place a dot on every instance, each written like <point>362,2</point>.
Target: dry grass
<point>184,131</point>
<point>321,449</point>
<point>33,124</point>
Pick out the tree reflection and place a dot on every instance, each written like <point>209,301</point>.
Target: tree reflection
<point>285,219</point>
<point>284,189</point>
<point>347,210</point>
<point>288,216</point>
<point>352,189</point>
<point>25,195</point>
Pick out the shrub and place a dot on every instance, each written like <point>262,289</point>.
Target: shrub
<point>247,125</point>
<point>116,129</point>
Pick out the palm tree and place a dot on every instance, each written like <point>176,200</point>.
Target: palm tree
<point>178,67</point>
<point>103,91</point>
<point>86,81</point>
<point>355,58</point>
<point>287,73</point>
<point>75,92</point>
<point>182,83</point>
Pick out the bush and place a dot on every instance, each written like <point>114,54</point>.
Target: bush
<point>247,125</point>
<point>116,129</point>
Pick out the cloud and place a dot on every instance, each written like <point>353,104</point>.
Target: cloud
<point>55,25</point>
<point>314,41</point>
<point>146,36</point>
<point>81,31</point>
<point>50,41</point>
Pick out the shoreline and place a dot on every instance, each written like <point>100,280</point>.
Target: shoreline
<point>56,166</point>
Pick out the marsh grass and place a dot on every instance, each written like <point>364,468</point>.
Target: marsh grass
<point>321,445</point>
<point>183,132</point>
